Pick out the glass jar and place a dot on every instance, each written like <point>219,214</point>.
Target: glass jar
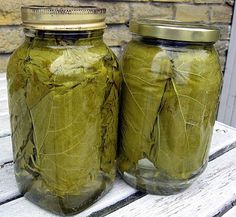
<point>170,93</point>
<point>63,86</point>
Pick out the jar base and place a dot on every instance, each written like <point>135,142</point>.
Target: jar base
<point>67,205</point>
<point>159,186</point>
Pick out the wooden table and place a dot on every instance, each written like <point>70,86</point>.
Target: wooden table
<point>213,194</point>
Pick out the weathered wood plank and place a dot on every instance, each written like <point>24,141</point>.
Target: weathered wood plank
<point>3,81</point>
<point>215,188</point>
<point>119,192</point>
<point>3,105</point>
<point>205,198</point>
<point>224,137</point>
<point>3,94</point>
<point>3,86</point>
<point>22,207</point>
<point>120,189</point>
<point>5,150</point>
<point>2,76</point>
<point>231,212</point>
<point>3,89</point>
<point>8,187</point>
<point>4,125</point>
<point>9,190</point>
<point>4,114</point>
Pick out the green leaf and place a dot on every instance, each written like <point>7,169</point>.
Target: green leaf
<point>64,106</point>
<point>169,103</point>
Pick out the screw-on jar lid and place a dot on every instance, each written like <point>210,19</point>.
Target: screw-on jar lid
<point>174,30</point>
<point>65,18</point>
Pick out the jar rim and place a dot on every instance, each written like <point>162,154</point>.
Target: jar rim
<point>174,30</point>
<point>63,18</point>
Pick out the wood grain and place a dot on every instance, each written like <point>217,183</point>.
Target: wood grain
<point>6,154</point>
<point>205,198</point>
<point>231,212</point>
<point>4,125</point>
<point>215,188</point>
<point>3,106</point>
<point>4,114</point>
<point>8,187</point>
<point>224,136</point>
<point>23,208</point>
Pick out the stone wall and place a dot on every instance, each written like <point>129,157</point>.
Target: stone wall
<point>218,12</point>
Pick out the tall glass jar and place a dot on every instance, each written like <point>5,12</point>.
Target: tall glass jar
<point>172,81</point>
<point>63,86</point>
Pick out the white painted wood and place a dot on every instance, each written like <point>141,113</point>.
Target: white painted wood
<point>4,113</point>
<point>3,105</point>
<point>216,187</point>
<point>231,212</point>
<point>233,119</point>
<point>227,107</point>
<point>3,94</point>
<point>8,187</point>
<point>23,208</point>
<point>3,86</point>
<point>5,150</point>
<point>2,76</point>
<point>223,137</point>
<point>3,99</point>
<point>4,124</point>
<point>119,192</point>
<point>205,198</point>
<point>8,190</point>
<point>3,81</point>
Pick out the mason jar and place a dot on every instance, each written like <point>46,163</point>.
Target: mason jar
<point>63,86</point>
<point>170,94</point>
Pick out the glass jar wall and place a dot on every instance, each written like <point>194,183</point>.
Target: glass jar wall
<point>63,87</point>
<point>172,80</point>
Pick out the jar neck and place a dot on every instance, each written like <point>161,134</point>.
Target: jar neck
<point>164,42</point>
<point>65,35</point>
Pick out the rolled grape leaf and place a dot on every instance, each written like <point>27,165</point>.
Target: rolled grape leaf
<point>143,90</point>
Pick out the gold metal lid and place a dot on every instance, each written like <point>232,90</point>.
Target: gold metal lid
<point>65,18</point>
<point>174,30</point>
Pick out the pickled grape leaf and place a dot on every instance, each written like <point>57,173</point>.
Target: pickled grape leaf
<point>169,103</point>
<point>143,92</point>
<point>72,60</point>
<point>67,139</point>
<point>109,131</point>
<point>64,108</point>
<point>20,120</point>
